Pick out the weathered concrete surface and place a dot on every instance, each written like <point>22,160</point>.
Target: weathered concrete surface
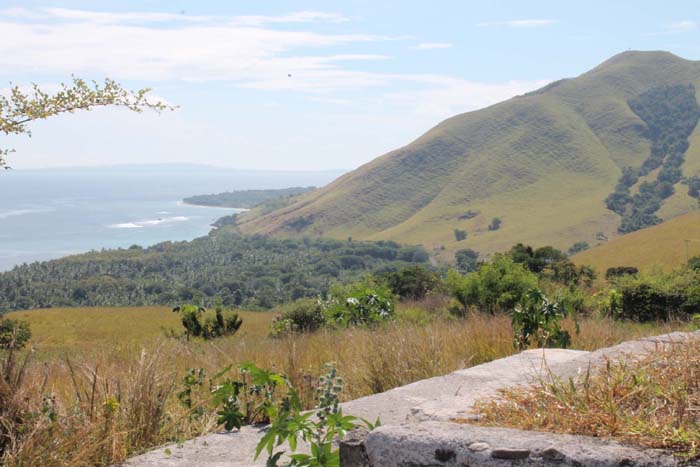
<point>436,399</point>
<point>448,444</point>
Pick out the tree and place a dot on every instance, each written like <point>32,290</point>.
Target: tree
<point>467,260</point>
<point>495,224</point>
<point>497,285</point>
<point>20,108</point>
<point>460,235</point>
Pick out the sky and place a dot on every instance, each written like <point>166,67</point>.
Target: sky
<point>303,85</point>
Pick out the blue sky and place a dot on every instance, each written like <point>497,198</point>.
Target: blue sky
<point>366,76</point>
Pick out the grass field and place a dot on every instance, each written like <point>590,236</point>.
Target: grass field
<point>662,246</point>
<point>85,358</point>
<point>58,331</point>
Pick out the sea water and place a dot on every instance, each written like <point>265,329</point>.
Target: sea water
<point>49,213</point>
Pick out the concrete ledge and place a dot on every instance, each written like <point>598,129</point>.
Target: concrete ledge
<point>447,444</point>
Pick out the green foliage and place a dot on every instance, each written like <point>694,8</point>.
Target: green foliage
<point>495,224</point>
<point>535,260</point>
<point>467,260</point>
<point>671,113</point>
<point>246,198</point>
<point>305,315</point>
<point>659,296</point>
<point>460,235</point>
<point>20,108</point>
<point>497,285</point>
<point>618,271</point>
<point>413,282</point>
<point>222,324</point>
<point>14,334</point>
<point>578,247</point>
<point>694,263</point>
<point>363,303</point>
<point>251,272</point>
<point>290,424</point>
<point>552,263</point>
<point>537,320</point>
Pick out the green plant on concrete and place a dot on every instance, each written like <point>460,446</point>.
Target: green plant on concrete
<point>537,320</point>
<point>217,326</point>
<point>320,428</point>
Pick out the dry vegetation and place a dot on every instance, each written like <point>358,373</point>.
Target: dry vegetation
<point>103,397</point>
<point>652,402</point>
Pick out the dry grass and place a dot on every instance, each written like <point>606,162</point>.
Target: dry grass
<point>115,395</point>
<point>652,402</point>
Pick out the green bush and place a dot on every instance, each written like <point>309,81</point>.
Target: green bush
<point>460,234</point>
<point>359,304</point>
<point>497,285</point>
<point>537,320</point>
<point>659,296</point>
<point>415,282</point>
<point>14,335</point>
<point>467,260</point>
<point>578,247</point>
<point>217,326</point>
<point>304,315</point>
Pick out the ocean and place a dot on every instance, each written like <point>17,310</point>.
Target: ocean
<point>50,213</point>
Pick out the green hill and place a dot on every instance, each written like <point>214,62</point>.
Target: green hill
<point>666,246</point>
<point>543,163</point>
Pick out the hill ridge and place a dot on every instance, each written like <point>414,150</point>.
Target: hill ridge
<point>528,160</point>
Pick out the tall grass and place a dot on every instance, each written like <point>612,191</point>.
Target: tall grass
<point>653,402</point>
<point>101,401</point>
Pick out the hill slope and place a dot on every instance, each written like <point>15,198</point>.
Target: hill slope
<point>661,246</point>
<point>543,163</point>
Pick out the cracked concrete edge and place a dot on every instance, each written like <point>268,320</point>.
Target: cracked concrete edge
<point>447,444</point>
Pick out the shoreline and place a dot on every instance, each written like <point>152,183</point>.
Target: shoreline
<point>184,203</point>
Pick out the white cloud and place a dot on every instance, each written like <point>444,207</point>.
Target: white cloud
<point>433,45</point>
<point>443,96</point>
<point>201,49</point>
<point>677,27</point>
<point>683,26</point>
<point>520,23</point>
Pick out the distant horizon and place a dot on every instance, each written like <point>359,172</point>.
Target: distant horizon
<point>171,165</point>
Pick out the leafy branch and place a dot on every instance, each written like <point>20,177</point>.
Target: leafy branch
<point>20,108</point>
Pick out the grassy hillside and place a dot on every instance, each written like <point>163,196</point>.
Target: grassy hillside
<point>543,163</point>
<point>662,246</point>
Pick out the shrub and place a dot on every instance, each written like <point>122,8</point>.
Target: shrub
<point>578,247</point>
<point>467,260</point>
<point>217,326</point>
<point>497,285</point>
<point>495,224</point>
<point>659,296</point>
<point>535,260</point>
<point>360,304</point>
<point>619,271</point>
<point>460,235</point>
<point>414,282</point>
<point>14,334</point>
<point>536,319</point>
<point>302,316</point>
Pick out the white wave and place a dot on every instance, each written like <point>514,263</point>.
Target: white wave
<point>125,225</point>
<point>21,212</point>
<point>149,223</point>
